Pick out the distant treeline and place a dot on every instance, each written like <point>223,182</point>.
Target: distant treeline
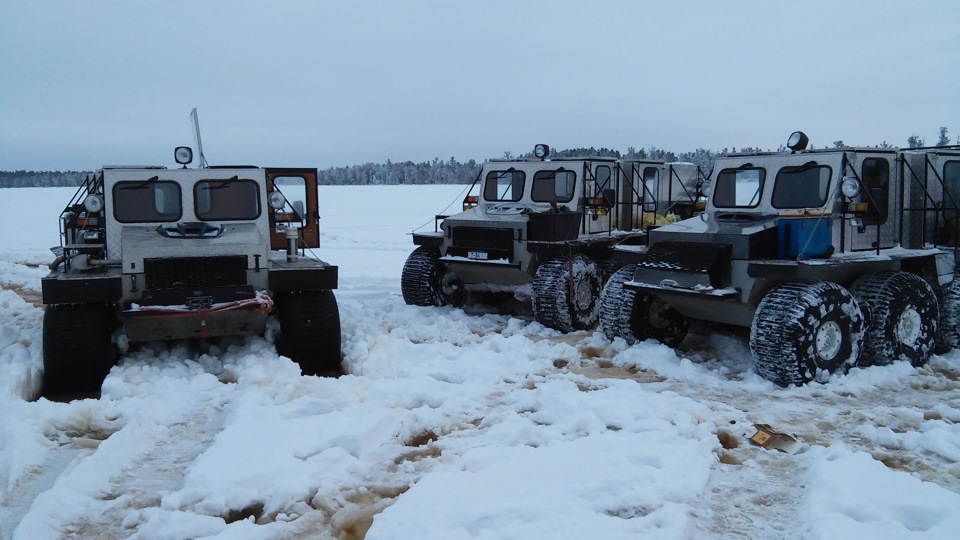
<point>455,172</point>
<point>440,172</point>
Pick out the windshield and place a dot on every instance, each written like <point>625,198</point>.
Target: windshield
<point>801,187</point>
<point>217,200</point>
<point>145,201</point>
<point>503,186</point>
<point>738,188</point>
<point>553,186</point>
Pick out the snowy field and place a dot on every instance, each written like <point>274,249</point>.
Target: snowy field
<point>454,424</point>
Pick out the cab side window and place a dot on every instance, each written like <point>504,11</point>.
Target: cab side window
<point>651,189</point>
<point>875,175</point>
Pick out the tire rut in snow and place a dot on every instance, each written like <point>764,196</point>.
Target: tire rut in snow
<point>752,493</point>
<point>17,503</point>
<point>155,474</point>
<point>755,493</point>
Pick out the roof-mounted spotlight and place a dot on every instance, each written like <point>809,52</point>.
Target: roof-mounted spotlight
<point>797,141</point>
<point>541,151</point>
<point>183,155</point>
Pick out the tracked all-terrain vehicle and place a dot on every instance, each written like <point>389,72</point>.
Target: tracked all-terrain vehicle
<point>184,253</point>
<point>542,229</point>
<point>833,258</point>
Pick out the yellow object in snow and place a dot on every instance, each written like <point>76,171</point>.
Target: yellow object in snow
<point>653,218</point>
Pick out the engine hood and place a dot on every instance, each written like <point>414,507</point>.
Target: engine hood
<point>752,237</point>
<point>513,215</point>
<point>139,242</point>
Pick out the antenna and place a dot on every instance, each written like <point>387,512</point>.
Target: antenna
<point>196,138</point>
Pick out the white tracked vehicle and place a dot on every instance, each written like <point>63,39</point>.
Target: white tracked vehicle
<point>542,230</point>
<point>833,258</point>
<point>187,253</point>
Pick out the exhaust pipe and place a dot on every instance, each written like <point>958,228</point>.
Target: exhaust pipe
<point>292,245</point>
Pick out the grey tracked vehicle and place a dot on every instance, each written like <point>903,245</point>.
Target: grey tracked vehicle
<point>833,258</point>
<point>187,253</point>
<point>542,230</point>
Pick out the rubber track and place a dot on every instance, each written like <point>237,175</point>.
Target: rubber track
<point>77,348</point>
<point>948,335</point>
<point>310,331</point>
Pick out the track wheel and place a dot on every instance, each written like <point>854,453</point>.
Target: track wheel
<point>310,331</point>
<point>903,318</point>
<point>948,334</point>
<point>637,316</point>
<point>566,293</point>
<point>427,282</point>
<point>77,347</point>
<point>804,331</point>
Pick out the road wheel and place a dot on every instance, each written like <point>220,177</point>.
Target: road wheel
<point>566,293</point>
<point>804,331</point>
<point>310,331</point>
<point>77,347</point>
<point>427,282</point>
<point>948,334</point>
<point>903,318</point>
<point>652,318</point>
<point>637,316</point>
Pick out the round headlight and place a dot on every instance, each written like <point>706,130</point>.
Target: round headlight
<point>541,151</point>
<point>276,200</point>
<point>93,203</point>
<point>850,187</point>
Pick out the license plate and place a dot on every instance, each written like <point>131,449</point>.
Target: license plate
<point>477,255</point>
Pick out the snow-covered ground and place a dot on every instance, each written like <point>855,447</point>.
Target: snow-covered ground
<point>454,424</point>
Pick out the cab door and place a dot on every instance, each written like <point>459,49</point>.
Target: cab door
<point>299,208</point>
<point>950,234</point>
<point>600,189</point>
<point>877,226</point>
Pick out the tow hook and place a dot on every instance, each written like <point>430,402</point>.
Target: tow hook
<point>201,304</point>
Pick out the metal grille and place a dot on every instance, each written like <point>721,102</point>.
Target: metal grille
<point>483,238</point>
<point>195,272</point>
<point>689,256</point>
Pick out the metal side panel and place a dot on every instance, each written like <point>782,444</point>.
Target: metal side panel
<point>688,265</point>
<point>302,275</point>
<point>74,288</point>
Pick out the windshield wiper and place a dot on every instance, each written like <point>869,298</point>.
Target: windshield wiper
<point>221,183</point>
<point>145,183</point>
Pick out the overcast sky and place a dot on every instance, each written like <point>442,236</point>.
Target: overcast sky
<point>314,83</point>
